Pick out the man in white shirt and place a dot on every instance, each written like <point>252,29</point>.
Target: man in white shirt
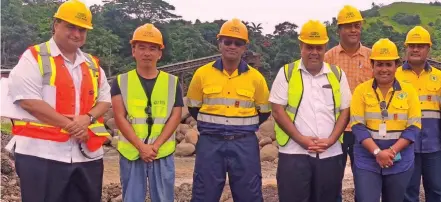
<point>59,151</point>
<point>315,96</point>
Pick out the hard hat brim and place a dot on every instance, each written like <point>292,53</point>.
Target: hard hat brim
<point>135,40</point>
<point>75,23</point>
<point>385,58</point>
<point>232,36</point>
<point>314,42</point>
<point>418,42</point>
<point>351,21</point>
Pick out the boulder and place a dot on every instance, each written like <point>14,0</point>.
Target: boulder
<point>108,115</point>
<point>111,124</point>
<point>185,149</point>
<point>192,137</point>
<point>265,141</point>
<point>275,144</point>
<point>268,153</point>
<point>179,136</point>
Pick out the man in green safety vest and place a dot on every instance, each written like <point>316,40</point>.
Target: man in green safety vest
<point>310,102</point>
<point>147,117</point>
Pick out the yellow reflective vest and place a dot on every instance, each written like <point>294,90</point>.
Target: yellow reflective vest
<point>295,93</point>
<point>135,102</point>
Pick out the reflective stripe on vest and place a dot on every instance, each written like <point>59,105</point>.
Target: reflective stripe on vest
<point>390,135</point>
<point>54,73</point>
<point>295,84</point>
<point>135,102</point>
<point>234,121</point>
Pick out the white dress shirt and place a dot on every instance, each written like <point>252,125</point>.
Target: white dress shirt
<point>26,83</point>
<point>315,116</point>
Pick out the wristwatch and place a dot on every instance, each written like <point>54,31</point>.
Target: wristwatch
<point>92,119</point>
<point>376,151</point>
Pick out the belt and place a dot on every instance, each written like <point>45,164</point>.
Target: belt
<point>229,137</point>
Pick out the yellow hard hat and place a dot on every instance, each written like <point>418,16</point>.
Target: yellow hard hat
<point>418,35</point>
<point>234,28</point>
<point>314,32</point>
<point>384,49</point>
<point>349,14</point>
<point>148,33</point>
<point>75,12</point>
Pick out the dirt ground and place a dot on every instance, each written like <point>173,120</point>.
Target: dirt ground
<point>184,178</point>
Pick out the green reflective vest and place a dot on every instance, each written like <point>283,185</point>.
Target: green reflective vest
<point>135,102</point>
<point>295,93</point>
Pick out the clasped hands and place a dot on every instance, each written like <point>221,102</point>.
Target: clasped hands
<point>316,145</point>
<point>78,127</point>
<point>385,158</point>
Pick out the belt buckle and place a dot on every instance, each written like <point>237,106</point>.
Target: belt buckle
<point>229,137</point>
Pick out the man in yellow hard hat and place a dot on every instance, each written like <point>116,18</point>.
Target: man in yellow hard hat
<point>427,81</point>
<point>58,150</point>
<point>310,104</point>
<point>351,56</point>
<point>147,105</point>
<point>229,99</point>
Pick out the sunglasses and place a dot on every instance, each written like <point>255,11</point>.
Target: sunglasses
<point>383,107</point>
<point>148,111</point>
<point>237,43</point>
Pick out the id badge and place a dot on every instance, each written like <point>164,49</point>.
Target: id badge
<point>382,130</point>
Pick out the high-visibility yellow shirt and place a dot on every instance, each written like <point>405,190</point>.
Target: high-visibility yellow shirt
<point>228,104</point>
<point>428,86</point>
<point>403,121</point>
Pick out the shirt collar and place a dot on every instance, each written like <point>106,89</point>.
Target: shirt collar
<point>340,49</point>
<point>55,51</point>
<point>396,85</point>
<point>324,70</point>
<point>407,66</point>
<point>243,66</point>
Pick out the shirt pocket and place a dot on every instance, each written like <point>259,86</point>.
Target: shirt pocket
<point>139,106</point>
<point>212,91</point>
<point>246,102</point>
<point>212,96</point>
<point>433,87</point>
<point>371,103</point>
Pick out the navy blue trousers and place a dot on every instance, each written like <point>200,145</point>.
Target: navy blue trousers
<point>43,180</point>
<point>370,186</point>
<point>240,158</point>
<point>427,165</point>
<point>302,178</point>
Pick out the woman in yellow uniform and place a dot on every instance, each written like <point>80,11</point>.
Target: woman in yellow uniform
<point>385,119</point>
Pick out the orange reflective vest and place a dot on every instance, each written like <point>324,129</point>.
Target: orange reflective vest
<point>57,79</point>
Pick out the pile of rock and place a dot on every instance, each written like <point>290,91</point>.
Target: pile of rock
<point>187,135</point>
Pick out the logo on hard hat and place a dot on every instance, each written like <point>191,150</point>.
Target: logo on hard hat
<point>350,15</point>
<point>148,34</point>
<point>384,51</point>
<point>314,35</point>
<point>81,16</point>
<point>234,29</point>
<point>416,36</point>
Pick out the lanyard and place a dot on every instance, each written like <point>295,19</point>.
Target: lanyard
<point>384,115</point>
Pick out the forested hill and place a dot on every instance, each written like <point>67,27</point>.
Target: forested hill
<point>28,22</point>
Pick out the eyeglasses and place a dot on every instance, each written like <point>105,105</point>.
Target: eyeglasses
<point>383,107</point>
<point>237,43</point>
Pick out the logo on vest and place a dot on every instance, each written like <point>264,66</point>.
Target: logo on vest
<point>159,102</point>
<point>402,95</point>
<point>91,92</point>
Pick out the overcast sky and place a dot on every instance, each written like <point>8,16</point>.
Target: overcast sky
<point>267,12</point>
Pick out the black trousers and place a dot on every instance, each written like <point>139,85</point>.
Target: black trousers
<point>43,180</point>
<point>302,178</point>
